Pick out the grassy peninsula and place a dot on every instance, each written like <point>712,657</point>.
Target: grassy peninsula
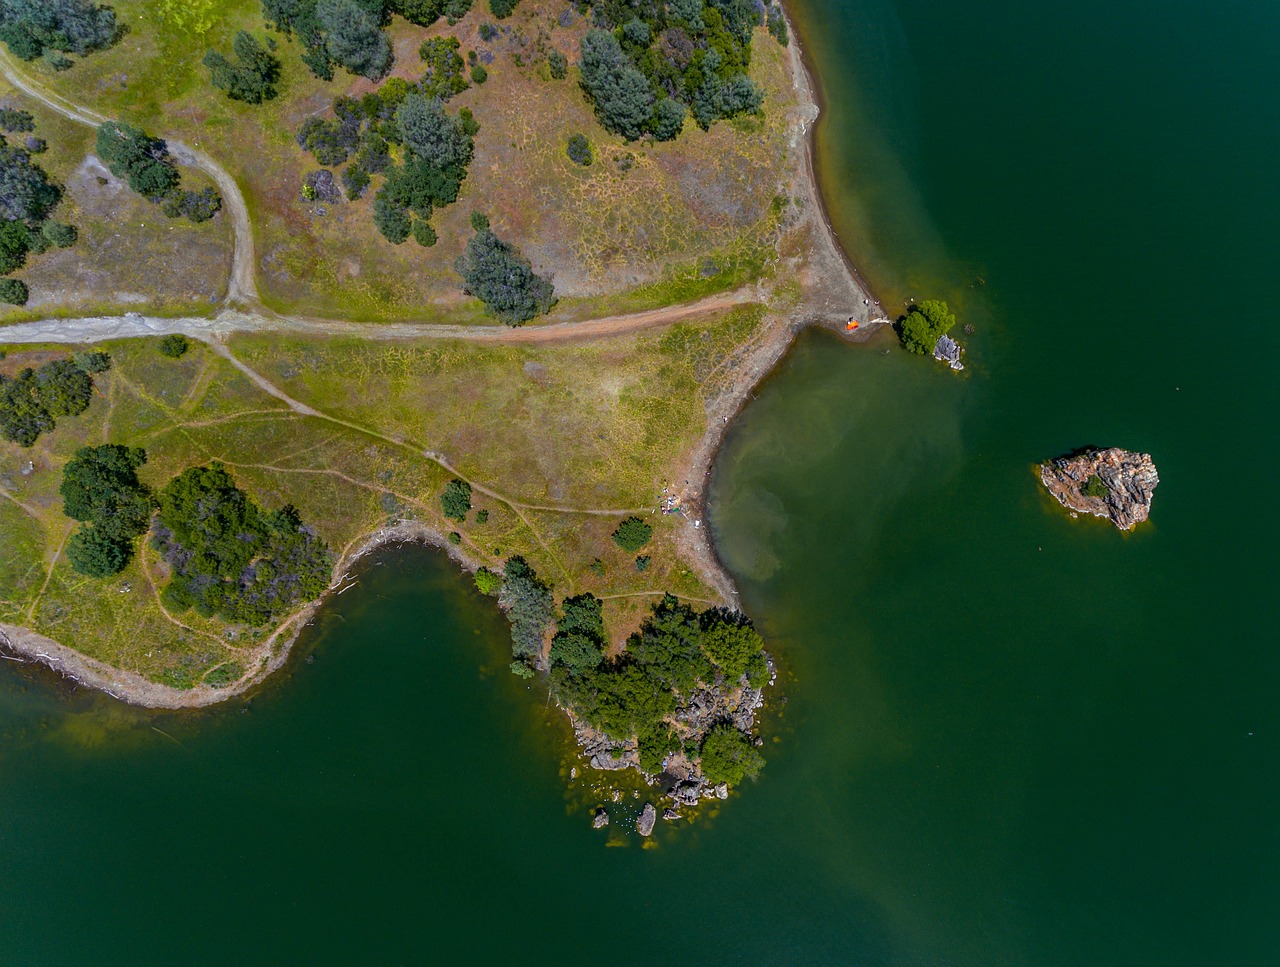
<point>492,276</point>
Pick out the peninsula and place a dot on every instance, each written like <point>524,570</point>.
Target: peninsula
<point>495,277</point>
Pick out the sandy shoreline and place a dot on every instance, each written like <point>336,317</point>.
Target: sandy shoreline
<point>834,291</point>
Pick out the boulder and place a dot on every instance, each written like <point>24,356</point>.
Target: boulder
<point>1112,483</point>
<point>648,818</point>
<point>947,350</point>
<point>670,814</point>
<point>600,820</point>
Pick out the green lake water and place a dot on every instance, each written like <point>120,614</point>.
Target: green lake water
<point>1009,737</point>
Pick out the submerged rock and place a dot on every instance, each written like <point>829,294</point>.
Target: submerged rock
<point>649,817</point>
<point>1112,483</point>
<point>670,814</point>
<point>600,820</point>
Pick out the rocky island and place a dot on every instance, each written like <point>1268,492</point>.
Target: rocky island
<point>1112,483</point>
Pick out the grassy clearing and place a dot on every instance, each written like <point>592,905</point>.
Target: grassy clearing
<point>129,255</point>
<point>549,436</point>
<point>642,217</point>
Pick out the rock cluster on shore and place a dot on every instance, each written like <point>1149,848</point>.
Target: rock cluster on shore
<point>1112,483</point>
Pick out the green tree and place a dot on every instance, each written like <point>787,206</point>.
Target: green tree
<point>728,755</point>
<point>503,280</point>
<point>27,194</point>
<point>23,416</point>
<point>1095,486</point>
<point>101,483</point>
<point>456,499</point>
<point>925,324</point>
<point>97,552</point>
<point>14,241</point>
<point>141,160</point>
<point>64,388</point>
<point>30,27</point>
<point>63,236</point>
<point>529,606</point>
<point>502,8</point>
<point>558,64</point>
<point>445,71</point>
<point>621,94</point>
<point>174,345</point>
<point>632,534</point>
<point>253,78</point>
<point>488,582</point>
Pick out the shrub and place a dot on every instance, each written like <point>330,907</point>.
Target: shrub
<point>668,120</point>
<point>479,74</point>
<point>13,291</point>
<point>503,280</point>
<point>777,24</point>
<point>64,388</point>
<point>16,122</point>
<point>596,567</point>
<point>456,499</point>
<point>27,194</point>
<point>502,8</point>
<point>174,345</point>
<point>455,538</point>
<point>559,65</point>
<point>141,160</point>
<point>355,179</point>
<point>23,416</point>
<point>642,563</point>
<point>95,361</point>
<point>96,552</point>
<point>1094,487</point>
<point>479,221</point>
<point>579,150</point>
<point>632,534</point>
<point>390,219</point>
<point>445,73</point>
<point>63,236</point>
<point>482,517</point>
<point>488,32</point>
<point>924,325</point>
<point>488,582</point>
<point>14,242</point>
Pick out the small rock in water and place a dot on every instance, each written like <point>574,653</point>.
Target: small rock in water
<point>600,820</point>
<point>722,791</point>
<point>670,814</point>
<point>647,820</point>
<point>1112,483</point>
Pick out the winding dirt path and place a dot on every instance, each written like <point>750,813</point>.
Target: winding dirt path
<point>241,286</point>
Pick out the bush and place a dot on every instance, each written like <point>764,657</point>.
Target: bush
<point>924,325</point>
<point>23,416</point>
<point>482,517</point>
<point>488,32</point>
<point>632,534</point>
<point>488,582</point>
<point>64,388</point>
<point>14,292</point>
<point>503,280</point>
<point>455,538</point>
<point>27,194</point>
<point>139,159</point>
<point>559,65</point>
<point>14,242</point>
<point>174,346</point>
<point>479,74</point>
<point>390,219</point>
<point>456,499</point>
<point>92,362</point>
<point>16,122</point>
<point>1094,487</point>
<point>63,236</point>
<point>97,553</point>
<point>777,24</point>
<point>502,8</point>
<point>579,150</point>
<point>355,179</point>
<point>642,563</point>
<point>445,73</point>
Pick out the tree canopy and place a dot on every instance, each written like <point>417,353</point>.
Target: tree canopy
<point>31,401</point>
<point>924,324</point>
<point>100,487</point>
<point>456,499</point>
<point>253,78</point>
<point>30,27</point>
<point>500,277</point>
<point>228,557</point>
<point>632,534</point>
<point>145,163</point>
<point>529,606</point>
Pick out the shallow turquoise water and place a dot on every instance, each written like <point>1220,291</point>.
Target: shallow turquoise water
<point>1009,737</point>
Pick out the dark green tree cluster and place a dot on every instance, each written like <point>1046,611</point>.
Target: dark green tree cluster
<point>579,643</point>
<point>530,608</point>
<point>924,324</point>
<point>145,163</point>
<point>579,150</point>
<point>632,534</point>
<point>434,147</point>
<point>32,401</point>
<point>349,33</point>
<point>27,197</point>
<point>456,499</point>
<point>31,28</point>
<point>655,63</point>
<point>228,557</point>
<point>677,652</point>
<point>728,755</point>
<point>100,487</point>
<point>777,24</point>
<point>499,276</point>
<point>502,8</point>
<point>253,77</point>
<point>1095,486</point>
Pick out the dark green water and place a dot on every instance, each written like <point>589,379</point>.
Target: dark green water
<point>1010,738</point>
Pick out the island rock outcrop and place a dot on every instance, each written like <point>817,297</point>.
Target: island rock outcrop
<point>1112,483</point>
<point>648,817</point>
